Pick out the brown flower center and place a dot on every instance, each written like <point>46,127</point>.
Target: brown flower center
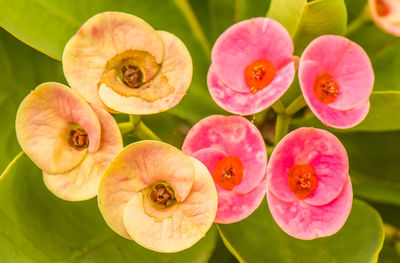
<point>132,76</point>
<point>325,88</point>
<point>78,139</point>
<point>302,180</point>
<point>162,195</point>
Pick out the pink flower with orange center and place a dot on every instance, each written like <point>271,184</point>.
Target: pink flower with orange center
<point>386,14</point>
<point>309,189</point>
<point>252,66</point>
<point>233,150</point>
<point>336,78</point>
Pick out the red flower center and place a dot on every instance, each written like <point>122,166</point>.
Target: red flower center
<point>259,74</point>
<point>228,172</point>
<point>302,180</point>
<point>325,88</point>
<point>381,8</point>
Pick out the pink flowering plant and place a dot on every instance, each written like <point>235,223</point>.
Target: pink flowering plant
<point>200,131</point>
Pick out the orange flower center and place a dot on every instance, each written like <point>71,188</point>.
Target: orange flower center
<point>302,180</point>
<point>228,172</point>
<point>381,8</point>
<point>78,139</point>
<point>325,88</point>
<point>259,74</point>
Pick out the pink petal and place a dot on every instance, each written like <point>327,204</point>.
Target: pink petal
<point>308,72</point>
<point>318,148</point>
<point>248,41</point>
<point>233,207</point>
<point>249,103</point>
<point>346,62</point>
<point>235,136</point>
<point>301,220</point>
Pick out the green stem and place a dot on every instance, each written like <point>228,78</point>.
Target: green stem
<point>144,133</point>
<point>296,105</point>
<point>361,20</point>
<point>137,128</point>
<point>278,107</point>
<point>281,127</point>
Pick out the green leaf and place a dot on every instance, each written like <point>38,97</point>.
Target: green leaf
<point>47,26</point>
<point>354,8</point>
<point>374,165</point>
<point>308,20</point>
<point>259,239</point>
<point>21,69</point>
<point>245,9</point>
<point>35,226</point>
<point>384,115</point>
<point>389,253</point>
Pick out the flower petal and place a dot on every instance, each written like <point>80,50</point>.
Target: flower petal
<point>44,122</point>
<point>346,62</point>
<point>301,220</point>
<point>235,136</point>
<point>390,22</point>
<point>189,223</point>
<point>318,148</point>
<point>248,41</point>
<point>138,166</point>
<point>250,103</point>
<point>101,38</point>
<point>165,90</point>
<point>329,116</point>
<point>82,182</point>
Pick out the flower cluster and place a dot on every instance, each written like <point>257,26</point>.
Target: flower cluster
<point>252,67</point>
<point>166,199</point>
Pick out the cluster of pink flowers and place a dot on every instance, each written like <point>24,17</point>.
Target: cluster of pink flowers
<point>167,199</point>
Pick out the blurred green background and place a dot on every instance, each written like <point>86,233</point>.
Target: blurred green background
<point>35,226</point>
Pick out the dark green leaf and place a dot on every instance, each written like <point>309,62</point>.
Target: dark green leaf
<point>259,239</point>
<point>36,226</point>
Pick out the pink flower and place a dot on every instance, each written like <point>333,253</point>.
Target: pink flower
<point>309,189</point>
<point>234,152</point>
<point>252,66</point>
<point>336,78</point>
<point>386,14</point>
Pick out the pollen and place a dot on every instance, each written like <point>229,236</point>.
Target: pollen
<point>228,172</point>
<point>302,180</point>
<point>325,88</point>
<point>259,75</point>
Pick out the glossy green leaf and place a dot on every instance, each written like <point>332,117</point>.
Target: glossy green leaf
<point>308,20</point>
<point>374,165</point>
<point>21,69</point>
<point>48,25</point>
<point>259,239</point>
<point>383,115</point>
<point>36,226</point>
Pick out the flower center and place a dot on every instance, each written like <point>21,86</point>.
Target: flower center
<point>325,88</point>
<point>132,76</point>
<point>302,180</point>
<point>162,195</point>
<point>381,8</point>
<point>228,172</point>
<point>78,139</point>
<point>259,74</point>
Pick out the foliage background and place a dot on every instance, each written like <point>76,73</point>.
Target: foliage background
<point>35,226</point>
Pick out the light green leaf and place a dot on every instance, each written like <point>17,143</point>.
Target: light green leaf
<point>21,69</point>
<point>47,26</point>
<point>36,226</point>
<point>384,115</point>
<point>259,239</point>
<point>308,20</point>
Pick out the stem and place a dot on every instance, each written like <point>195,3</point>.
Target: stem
<point>144,133</point>
<point>278,107</point>
<point>361,20</point>
<point>136,127</point>
<point>296,105</point>
<point>281,127</point>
